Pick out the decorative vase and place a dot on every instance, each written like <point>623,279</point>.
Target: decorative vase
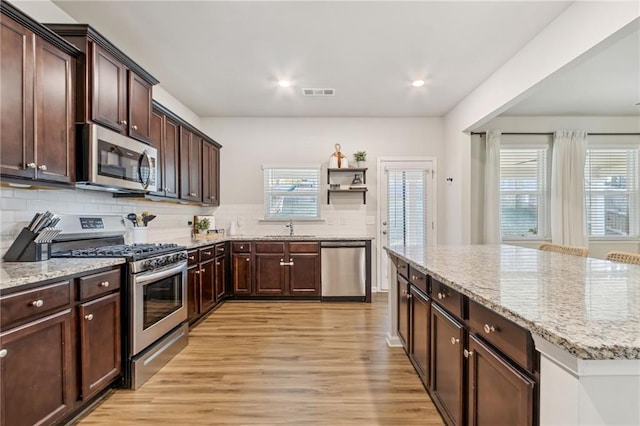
<point>361,164</point>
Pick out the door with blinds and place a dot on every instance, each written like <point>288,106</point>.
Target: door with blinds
<point>407,209</point>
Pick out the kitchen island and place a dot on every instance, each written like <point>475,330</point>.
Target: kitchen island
<point>583,315</point>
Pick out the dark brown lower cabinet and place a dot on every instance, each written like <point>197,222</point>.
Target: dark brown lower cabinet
<point>270,274</point>
<point>220,276</point>
<point>403,311</point>
<point>447,367</point>
<point>497,392</point>
<point>419,315</point>
<point>193,290</point>
<point>207,286</point>
<point>304,274</point>
<point>37,371</point>
<point>242,271</point>
<point>100,355</point>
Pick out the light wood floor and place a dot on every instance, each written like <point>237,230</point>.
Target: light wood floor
<point>281,363</point>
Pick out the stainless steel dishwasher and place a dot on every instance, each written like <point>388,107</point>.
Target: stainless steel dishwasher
<point>344,275</point>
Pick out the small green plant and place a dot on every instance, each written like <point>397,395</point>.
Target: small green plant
<point>203,224</point>
<point>360,155</point>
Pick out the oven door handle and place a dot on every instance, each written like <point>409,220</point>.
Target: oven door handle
<point>158,275</point>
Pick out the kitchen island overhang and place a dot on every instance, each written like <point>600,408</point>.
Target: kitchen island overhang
<point>583,315</point>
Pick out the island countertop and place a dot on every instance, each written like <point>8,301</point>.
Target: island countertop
<point>589,307</point>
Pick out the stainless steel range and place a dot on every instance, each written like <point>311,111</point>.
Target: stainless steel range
<point>154,297</point>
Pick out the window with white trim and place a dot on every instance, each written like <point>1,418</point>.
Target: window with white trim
<point>291,192</point>
<point>611,191</point>
<point>524,191</point>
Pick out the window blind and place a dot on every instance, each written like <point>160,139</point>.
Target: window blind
<point>523,192</point>
<point>292,192</point>
<point>611,191</point>
<point>407,206</point>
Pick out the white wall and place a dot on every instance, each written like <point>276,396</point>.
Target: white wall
<point>581,27</point>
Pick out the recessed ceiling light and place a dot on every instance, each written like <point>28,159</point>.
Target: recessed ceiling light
<point>284,83</point>
<point>418,83</point>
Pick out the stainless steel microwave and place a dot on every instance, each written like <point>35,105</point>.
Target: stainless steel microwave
<point>113,162</point>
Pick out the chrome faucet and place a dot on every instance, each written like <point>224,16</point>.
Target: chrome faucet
<point>290,226</point>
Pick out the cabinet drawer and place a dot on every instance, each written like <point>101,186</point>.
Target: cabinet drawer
<point>20,306</point>
<point>220,249</point>
<point>511,339</point>
<point>419,280</point>
<point>303,247</point>
<point>98,284</point>
<point>270,247</point>
<point>446,297</point>
<point>207,253</point>
<point>193,257</point>
<point>241,247</point>
<point>403,268</point>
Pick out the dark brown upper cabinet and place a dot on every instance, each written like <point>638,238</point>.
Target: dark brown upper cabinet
<point>37,75</point>
<point>190,166</point>
<point>112,89</point>
<point>165,137</point>
<point>210,174</point>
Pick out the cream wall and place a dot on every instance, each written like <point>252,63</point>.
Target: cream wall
<point>583,27</point>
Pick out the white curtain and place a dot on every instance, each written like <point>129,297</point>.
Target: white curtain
<point>492,234</point>
<point>567,188</point>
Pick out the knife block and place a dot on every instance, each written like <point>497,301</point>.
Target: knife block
<point>24,249</point>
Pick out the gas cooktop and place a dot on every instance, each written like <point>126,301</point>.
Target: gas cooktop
<point>130,251</point>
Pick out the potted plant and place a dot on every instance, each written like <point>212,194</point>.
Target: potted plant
<point>360,157</point>
<point>202,225</point>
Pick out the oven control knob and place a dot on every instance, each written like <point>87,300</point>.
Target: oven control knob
<point>162,261</point>
<point>183,256</point>
<point>152,264</point>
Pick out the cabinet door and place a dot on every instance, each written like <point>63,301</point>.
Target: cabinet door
<point>270,274</point>
<point>304,275</point>
<point>193,289</point>
<point>447,344</point>
<point>16,99</point>
<point>420,312</point>
<point>55,135</point>
<point>403,311</point>
<point>170,163</point>
<point>207,286</point>
<point>139,107</point>
<point>37,371</point>
<point>210,174</point>
<point>156,139</point>
<point>108,91</point>
<point>190,166</point>
<point>99,343</point>
<point>498,393</point>
<point>242,274</point>
<point>220,278</point>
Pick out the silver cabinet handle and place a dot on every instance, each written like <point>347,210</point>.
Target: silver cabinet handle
<point>208,253</point>
<point>467,353</point>
<point>218,263</point>
<point>31,165</point>
<point>104,284</point>
<point>43,167</point>
<point>202,270</point>
<point>37,303</point>
<point>192,194</point>
<point>3,353</point>
<point>442,296</point>
<point>489,329</point>
<point>88,317</point>
<point>191,257</point>
<point>124,122</point>
<point>134,127</point>
<point>197,272</point>
<point>454,340</point>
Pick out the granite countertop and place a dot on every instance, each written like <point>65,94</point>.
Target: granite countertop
<point>14,274</point>
<point>590,307</point>
<point>191,243</point>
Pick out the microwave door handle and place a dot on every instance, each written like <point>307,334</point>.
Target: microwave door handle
<point>145,278</point>
<point>145,183</point>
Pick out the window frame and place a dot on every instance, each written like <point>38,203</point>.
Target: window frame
<point>268,194</point>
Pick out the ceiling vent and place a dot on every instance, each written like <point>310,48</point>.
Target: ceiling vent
<point>318,92</point>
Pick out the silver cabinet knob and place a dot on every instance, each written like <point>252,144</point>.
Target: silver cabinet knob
<point>37,303</point>
<point>192,194</point>
<point>31,165</point>
<point>248,259</point>
<point>467,353</point>
<point>88,317</point>
<point>191,257</point>
<point>134,127</point>
<point>454,340</point>
<point>104,284</point>
<point>197,272</point>
<point>218,263</point>
<point>202,270</point>
<point>3,353</point>
<point>208,253</point>
<point>43,167</point>
<point>489,329</point>
<point>241,247</point>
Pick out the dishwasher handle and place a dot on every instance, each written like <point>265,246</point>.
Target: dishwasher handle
<point>338,244</point>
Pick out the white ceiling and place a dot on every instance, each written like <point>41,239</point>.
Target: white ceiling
<point>224,58</point>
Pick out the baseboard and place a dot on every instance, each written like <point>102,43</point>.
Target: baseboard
<point>394,341</point>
